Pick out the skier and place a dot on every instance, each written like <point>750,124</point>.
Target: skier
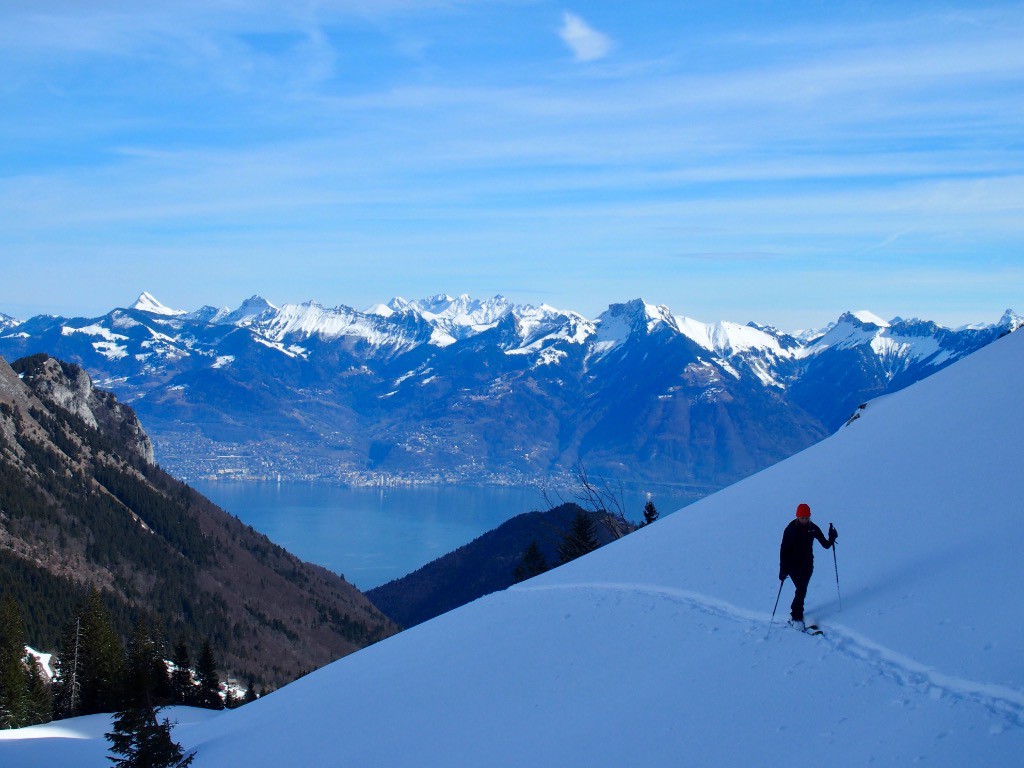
<point>796,557</point>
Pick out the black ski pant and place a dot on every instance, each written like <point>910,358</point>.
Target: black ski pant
<point>800,581</point>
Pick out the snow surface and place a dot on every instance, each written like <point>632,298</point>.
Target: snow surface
<point>870,317</point>
<point>79,741</point>
<point>657,650</point>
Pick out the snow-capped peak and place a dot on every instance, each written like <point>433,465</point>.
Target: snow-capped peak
<point>6,321</point>
<point>250,309</point>
<point>1010,320</point>
<point>463,310</point>
<point>869,318</point>
<point>147,303</point>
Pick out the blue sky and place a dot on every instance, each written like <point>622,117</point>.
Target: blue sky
<point>739,161</point>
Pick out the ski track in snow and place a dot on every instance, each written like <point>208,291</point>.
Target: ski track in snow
<point>1003,701</point>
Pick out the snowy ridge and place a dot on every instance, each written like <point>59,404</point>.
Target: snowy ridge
<point>442,320</point>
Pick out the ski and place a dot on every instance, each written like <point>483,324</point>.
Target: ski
<point>810,629</point>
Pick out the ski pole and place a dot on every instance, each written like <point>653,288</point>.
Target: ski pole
<point>781,582</point>
<point>835,563</point>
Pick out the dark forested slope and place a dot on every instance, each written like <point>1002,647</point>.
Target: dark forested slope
<point>82,504</point>
<point>487,564</point>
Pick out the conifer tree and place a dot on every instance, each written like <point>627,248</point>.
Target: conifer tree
<point>161,678</point>
<point>650,513</point>
<point>138,736</point>
<point>250,692</point>
<point>581,538</point>
<point>183,688</point>
<point>13,689</point>
<point>101,662</point>
<point>208,695</point>
<point>38,695</point>
<point>67,685</point>
<point>532,563</point>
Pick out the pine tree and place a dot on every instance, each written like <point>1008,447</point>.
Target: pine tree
<point>138,736</point>
<point>67,686</point>
<point>208,695</point>
<point>532,563</point>
<point>581,538</point>
<point>13,689</point>
<point>145,742</point>
<point>250,692</point>
<point>162,692</point>
<point>38,695</point>
<point>183,688</point>
<point>101,662</point>
<point>650,513</point>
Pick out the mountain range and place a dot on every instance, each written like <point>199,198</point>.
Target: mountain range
<point>467,390</point>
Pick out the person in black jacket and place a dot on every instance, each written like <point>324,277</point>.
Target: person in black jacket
<point>796,556</point>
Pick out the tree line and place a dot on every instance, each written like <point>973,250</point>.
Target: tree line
<point>93,672</point>
<point>581,537</point>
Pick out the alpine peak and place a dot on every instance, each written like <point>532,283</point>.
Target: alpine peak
<point>867,318</point>
<point>147,303</point>
<point>249,309</point>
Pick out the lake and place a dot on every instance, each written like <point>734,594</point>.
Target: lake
<point>374,535</point>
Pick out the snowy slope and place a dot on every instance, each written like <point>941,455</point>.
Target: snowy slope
<point>653,650</point>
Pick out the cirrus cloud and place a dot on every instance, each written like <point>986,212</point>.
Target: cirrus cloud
<point>585,42</point>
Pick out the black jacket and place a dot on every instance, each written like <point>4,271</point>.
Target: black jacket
<point>796,555</point>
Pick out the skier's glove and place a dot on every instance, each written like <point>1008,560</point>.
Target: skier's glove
<point>832,533</point>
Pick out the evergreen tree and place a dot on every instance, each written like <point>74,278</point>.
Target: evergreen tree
<point>101,662</point>
<point>138,736</point>
<point>532,563</point>
<point>145,666</point>
<point>650,513</point>
<point>208,695</point>
<point>581,538</point>
<point>13,689</point>
<point>162,692</point>
<point>183,688</point>
<point>38,695</point>
<point>250,692</point>
<point>67,685</point>
<point>145,742</point>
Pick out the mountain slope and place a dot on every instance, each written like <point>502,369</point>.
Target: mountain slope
<point>482,566</point>
<point>82,504</point>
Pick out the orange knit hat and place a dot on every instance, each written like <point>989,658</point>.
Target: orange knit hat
<point>803,511</point>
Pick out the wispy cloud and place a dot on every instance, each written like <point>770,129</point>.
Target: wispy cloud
<point>189,138</point>
<point>585,42</point>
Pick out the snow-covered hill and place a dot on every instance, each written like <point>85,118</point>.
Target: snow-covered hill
<point>656,651</point>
